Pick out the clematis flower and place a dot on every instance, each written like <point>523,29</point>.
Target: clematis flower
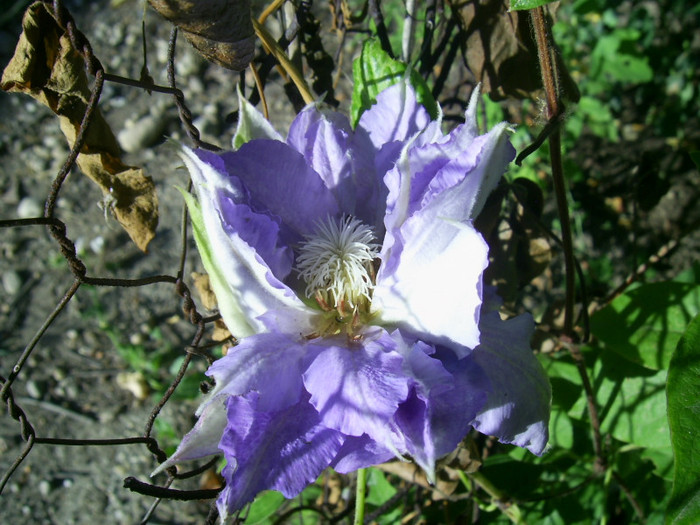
<point>346,262</point>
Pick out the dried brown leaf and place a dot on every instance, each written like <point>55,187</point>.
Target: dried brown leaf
<point>519,247</point>
<point>500,50</point>
<point>208,298</point>
<point>47,67</point>
<point>221,30</point>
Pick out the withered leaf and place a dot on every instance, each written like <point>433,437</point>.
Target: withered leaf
<point>500,50</point>
<point>502,53</point>
<point>519,248</point>
<point>47,67</point>
<point>208,299</point>
<point>221,30</point>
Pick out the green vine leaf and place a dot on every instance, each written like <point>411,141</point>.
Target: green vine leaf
<point>522,5</point>
<point>374,71</point>
<point>683,395</point>
<point>644,325</point>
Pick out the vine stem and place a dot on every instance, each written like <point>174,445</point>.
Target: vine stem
<point>274,48</point>
<point>555,109</point>
<point>360,493</point>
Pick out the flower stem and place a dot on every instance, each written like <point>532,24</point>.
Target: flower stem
<point>502,500</point>
<point>274,48</point>
<point>555,109</point>
<point>361,492</point>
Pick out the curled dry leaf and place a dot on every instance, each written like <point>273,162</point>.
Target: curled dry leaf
<point>502,53</point>
<point>500,50</point>
<point>206,295</point>
<point>221,30</point>
<point>47,67</point>
<point>519,248</point>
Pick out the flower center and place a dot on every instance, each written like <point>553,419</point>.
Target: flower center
<point>336,262</point>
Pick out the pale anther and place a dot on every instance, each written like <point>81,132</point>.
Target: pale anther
<point>336,263</point>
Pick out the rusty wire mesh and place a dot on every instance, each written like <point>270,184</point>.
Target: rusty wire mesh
<point>80,275</point>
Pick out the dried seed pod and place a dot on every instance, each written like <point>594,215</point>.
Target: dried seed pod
<point>221,30</point>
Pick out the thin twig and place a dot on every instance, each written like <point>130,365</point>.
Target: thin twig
<point>57,409</point>
<point>147,489</point>
<point>554,109</point>
<point>630,497</point>
<point>261,92</point>
<point>376,14</point>
<point>274,48</point>
<point>408,35</point>
<point>147,517</point>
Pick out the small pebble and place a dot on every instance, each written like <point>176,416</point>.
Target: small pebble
<point>29,207</point>
<point>34,389</point>
<point>135,383</point>
<point>144,132</point>
<point>97,245</point>
<point>11,282</point>
<point>44,487</point>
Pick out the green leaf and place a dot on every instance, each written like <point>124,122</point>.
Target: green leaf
<point>264,506</point>
<point>630,399</point>
<point>561,430</point>
<point>522,5</point>
<point>617,56</point>
<point>644,325</point>
<point>695,157</point>
<point>662,458</point>
<point>379,489</point>
<point>683,393</point>
<point>374,71</point>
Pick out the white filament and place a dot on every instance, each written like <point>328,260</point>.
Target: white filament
<point>337,259</point>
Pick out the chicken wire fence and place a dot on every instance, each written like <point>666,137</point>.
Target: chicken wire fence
<point>79,274</point>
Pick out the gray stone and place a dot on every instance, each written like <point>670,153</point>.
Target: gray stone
<point>11,282</point>
<point>142,133</point>
<point>29,207</point>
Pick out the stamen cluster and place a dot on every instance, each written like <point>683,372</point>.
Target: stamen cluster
<point>336,262</point>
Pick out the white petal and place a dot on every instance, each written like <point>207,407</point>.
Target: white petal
<point>203,439</point>
<point>433,287</point>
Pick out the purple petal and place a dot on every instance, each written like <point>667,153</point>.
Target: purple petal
<point>447,394</point>
<point>242,281</point>
<point>281,182</point>
<point>470,179</point>
<point>518,406</point>
<point>283,450</point>
<point>360,452</point>
<point>270,364</point>
<point>261,232</point>
<point>396,116</point>
<point>342,157</point>
<point>470,167</point>
<point>322,138</point>
<point>356,388</point>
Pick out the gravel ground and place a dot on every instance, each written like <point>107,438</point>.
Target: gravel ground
<point>75,384</point>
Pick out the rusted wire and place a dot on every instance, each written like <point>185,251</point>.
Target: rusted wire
<point>58,231</point>
<point>182,109</point>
